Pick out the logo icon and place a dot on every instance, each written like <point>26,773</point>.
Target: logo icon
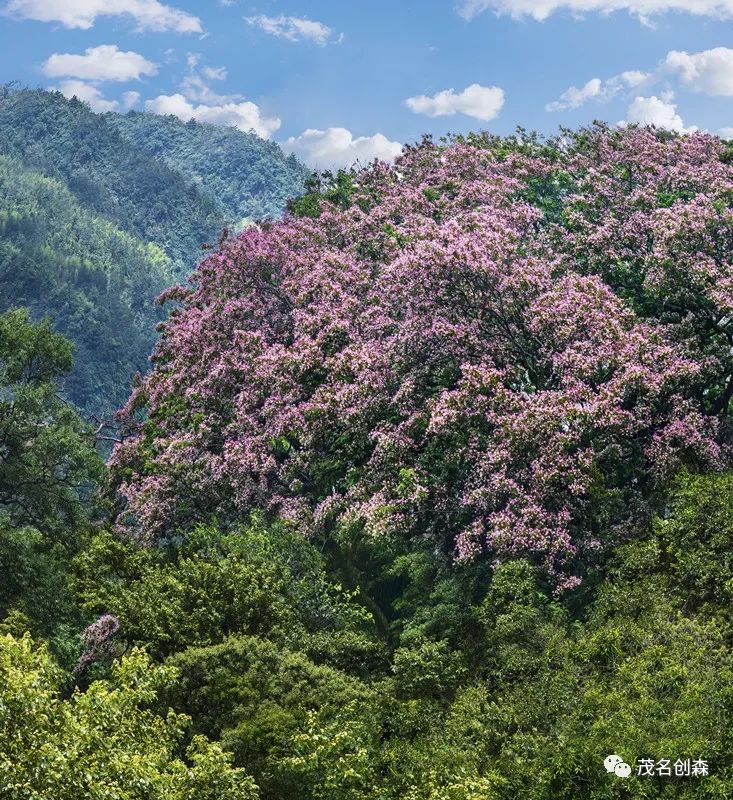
<point>617,765</point>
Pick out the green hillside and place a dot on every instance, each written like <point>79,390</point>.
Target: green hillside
<point>95,281</point>
<point>99,213</point>
<point>65,140</point>
<point>247,176</point>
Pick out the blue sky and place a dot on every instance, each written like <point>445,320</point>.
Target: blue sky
<point>335,81</point>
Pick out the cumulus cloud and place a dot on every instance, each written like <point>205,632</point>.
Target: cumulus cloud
<point>479,102</point>
<point>337,147</point>
<point>150,15</point>
<point>643,9</point>
<point>104,63</point>
<point>194,86</point>
<point>575,97</point>
<point>129,100</point>
<point>661,112</point>
<point>89,94</point>
<point>197,100</point>
<point>244,115</point>
<point>634,77</point>
<point>709,71</point>
<point>726,133</point>
<point>597,89</point>
<point>294,29</point>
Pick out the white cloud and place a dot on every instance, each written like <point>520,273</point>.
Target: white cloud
<point>634,77</point>
<point>596,89</point>
<point>337,147</point>
<point>294,29</point>
<point>644,9</point>
<point>195,88</point>
<point>244,115</point>
<point>726,133</point>
<point>216,73</point>
<point>574,97</point>
<point>150,15</point>
<point>89,94</point>
<point>103,63</point>
<point>129,100</point>
<point>658,111</point>
<point>480,102</point>
<point>709,71</point>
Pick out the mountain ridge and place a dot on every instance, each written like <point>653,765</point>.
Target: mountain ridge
<point>94,223</point>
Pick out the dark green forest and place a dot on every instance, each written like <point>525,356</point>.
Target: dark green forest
<point>94,280</point>
<point>246,176</point>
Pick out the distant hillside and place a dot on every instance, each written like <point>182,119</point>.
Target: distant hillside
<point>65,140</point>
<point>94,280</point>
<point>247,176</point>
<point>98,213</point>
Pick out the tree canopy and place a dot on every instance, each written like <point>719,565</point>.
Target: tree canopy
<point>427,496</point>
<point>436,353</point>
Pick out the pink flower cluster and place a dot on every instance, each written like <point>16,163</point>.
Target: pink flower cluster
<point>446,359</point>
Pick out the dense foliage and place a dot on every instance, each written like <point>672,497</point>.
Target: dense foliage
<point>439,356</point>
<point>249,177</point>
<point>64,140</point>
<point>95,280</point>
<point>48,469</point>
<point>102,742</point>
<point>427,497</point>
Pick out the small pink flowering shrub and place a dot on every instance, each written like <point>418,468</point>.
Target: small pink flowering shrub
<point>506,348</point>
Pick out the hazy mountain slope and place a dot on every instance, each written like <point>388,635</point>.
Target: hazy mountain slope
<point>248,176</point>
<point>98,213</point>
<point>65,140</point>
<point>96,282</point>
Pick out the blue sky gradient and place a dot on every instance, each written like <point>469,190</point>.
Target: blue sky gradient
<point>359,74</point>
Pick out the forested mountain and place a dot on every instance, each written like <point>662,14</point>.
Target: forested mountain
<point>65,140</point>
<point>95,281</point>
<point>94,225</point>
<point>247,176</point>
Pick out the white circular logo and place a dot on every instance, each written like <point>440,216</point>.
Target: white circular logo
<point>622,769</point>
<point>611,761</point>
<point>617,765</point>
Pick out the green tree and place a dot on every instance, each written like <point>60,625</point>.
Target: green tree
<point>48,464</point>
<point>255,579</point>
<point>255,695</point>
<point>104,742</point>
<point>48,472</point>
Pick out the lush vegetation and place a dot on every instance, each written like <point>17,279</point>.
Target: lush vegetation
<point>427,497</point>
<point>443,354</point>
<point>64,140</point>
<point>99,213</point>
<point>96,281</point>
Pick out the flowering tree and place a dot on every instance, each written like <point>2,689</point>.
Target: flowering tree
<point>651,215</point>
<point>473,348</point>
